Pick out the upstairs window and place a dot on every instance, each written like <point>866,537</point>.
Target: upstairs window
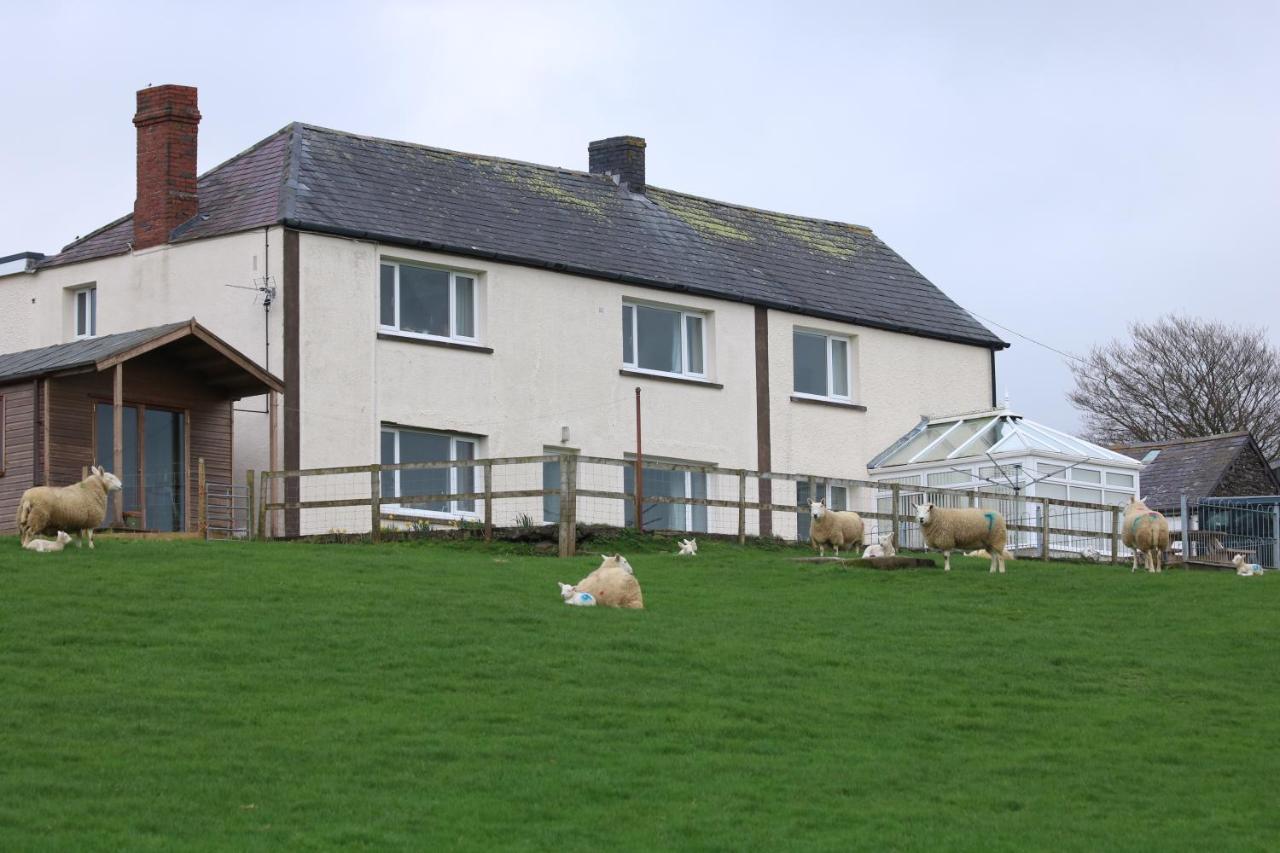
<point>85,306</point>
<point>664,340</point>
<point>822,366</point>
<point>427,302</point>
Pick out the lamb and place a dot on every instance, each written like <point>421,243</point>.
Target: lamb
<point>688,548</point>
<point>833,528</point>
<point>613,584</point>
<point>574,598</point>
<point>882,547</point>
<point>1093,555</point>
<point>1244,569</point>
<point>46,546</point>
<point>1145,531</point>
<point>80,507</point>
<point>952,529</point>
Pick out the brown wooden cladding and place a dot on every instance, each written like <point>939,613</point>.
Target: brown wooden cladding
<point>19,461</point>
<point>149,380</point>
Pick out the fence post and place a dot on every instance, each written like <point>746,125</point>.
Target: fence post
<point>973,497</point>
<point>896,499</point>
<point>248,504</point>
<point>1044,529</point>
<point>742,506</point>
<point>1115,535</point>
<point>261,506</point>
<point>568,502</point>
<point>488,501</point>
<point>375,503</point>
<point>202,496</point>
<point>1186,531</point>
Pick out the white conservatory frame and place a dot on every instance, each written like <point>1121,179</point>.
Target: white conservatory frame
<point>998,450</point>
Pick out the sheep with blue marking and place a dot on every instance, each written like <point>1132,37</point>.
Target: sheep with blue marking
<point>1146,532</point>
<point>948,530</point>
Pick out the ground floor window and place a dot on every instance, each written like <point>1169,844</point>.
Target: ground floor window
<point>837,498</point>
<point>667,484</point>
<point>154,460</point>
<point>412,445</point>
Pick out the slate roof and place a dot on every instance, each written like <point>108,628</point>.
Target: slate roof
<point>31,363</point>
<point>316,179</point>
<point>243,379</point>
<point>1194,466</point>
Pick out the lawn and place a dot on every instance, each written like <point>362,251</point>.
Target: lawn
<point>438,696</point>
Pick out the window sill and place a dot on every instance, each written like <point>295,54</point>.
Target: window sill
<point>409,339</point>
<point>857,407</point>
<point>683,380</point>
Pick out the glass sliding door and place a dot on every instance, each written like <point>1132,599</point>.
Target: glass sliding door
<point>163,483</point>
<point>153,472</point>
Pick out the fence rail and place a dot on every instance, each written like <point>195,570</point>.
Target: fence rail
<point>701,498</point>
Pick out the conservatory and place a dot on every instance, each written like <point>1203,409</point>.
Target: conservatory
<point>998,451</point>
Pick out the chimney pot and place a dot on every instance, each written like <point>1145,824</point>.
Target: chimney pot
<point>167,122</point>
<point>621,157</point>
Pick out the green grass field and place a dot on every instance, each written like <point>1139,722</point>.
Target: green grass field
<point>439,696</point>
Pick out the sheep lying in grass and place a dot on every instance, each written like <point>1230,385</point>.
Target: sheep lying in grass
<point>46,546</point>
<point>956,529</point>
<point>688,548</point>
<point>882,547</point>
<point>1244,569</point>
<point>613,584</point>
<point>81,507</point>
<point>1147,532</point>
<point>834,528</point>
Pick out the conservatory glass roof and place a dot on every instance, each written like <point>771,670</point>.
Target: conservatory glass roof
<point>981,433</point>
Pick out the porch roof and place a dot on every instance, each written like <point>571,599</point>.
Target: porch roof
<point>192,346</point>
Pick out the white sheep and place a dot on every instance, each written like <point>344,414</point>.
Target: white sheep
<point>1147,532</point>
<point>80,507</point>
<point>956,529</point>
<point>613,584</point>
<point>1093,555</point>
<point>46,546</point>
<point>1244,569</point>
<point>688,548</point>
<point>834,528</point>
<point>882,547</point>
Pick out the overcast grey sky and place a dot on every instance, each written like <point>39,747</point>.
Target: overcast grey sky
<point>1061,169</point>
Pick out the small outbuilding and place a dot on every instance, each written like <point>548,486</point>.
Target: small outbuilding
<point>145,405</point>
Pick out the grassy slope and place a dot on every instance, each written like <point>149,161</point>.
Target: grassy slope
<point>248,696</point>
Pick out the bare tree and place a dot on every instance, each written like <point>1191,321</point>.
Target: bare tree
<point>1180,377</point>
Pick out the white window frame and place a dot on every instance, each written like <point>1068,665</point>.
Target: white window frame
<point>629,360</point>
<point>453,513</point>
<point>848,366</point>
<point>90,293</point>
<point>453,303</point>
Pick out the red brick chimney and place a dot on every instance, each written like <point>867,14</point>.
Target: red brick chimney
<point>167,121</point>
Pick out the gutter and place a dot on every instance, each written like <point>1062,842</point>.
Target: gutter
<point>571,269</point>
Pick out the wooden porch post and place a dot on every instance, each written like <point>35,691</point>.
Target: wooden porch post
<point>117,442</point>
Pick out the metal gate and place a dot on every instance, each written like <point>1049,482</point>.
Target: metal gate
<point>227,511</point>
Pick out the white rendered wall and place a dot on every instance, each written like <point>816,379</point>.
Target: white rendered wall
<point>161,285</point>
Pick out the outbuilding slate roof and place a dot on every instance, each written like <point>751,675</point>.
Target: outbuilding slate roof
<point>244,377</point>
<point>398,193</point>
<point>1191,466</point>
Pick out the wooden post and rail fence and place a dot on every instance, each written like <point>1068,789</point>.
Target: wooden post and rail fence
<point>569,491</point>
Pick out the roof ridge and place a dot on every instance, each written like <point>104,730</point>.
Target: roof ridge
<point>1193,439</point>
<point>565,170</point>
<point>422,147</point>
<point>762,210</point>
<point>94,233</point>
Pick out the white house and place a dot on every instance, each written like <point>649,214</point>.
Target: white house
<point>426,304</point>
